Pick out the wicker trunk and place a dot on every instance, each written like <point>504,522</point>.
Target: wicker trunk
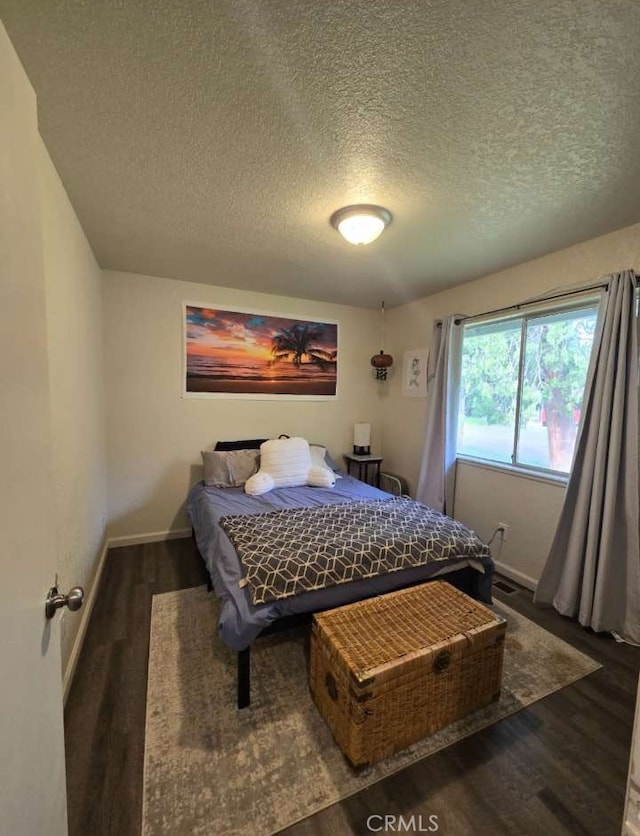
<point>391,670</point>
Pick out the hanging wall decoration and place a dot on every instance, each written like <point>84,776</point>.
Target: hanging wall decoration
<point>414,373</point>
<point>236,353</point>
<point>381,362</point>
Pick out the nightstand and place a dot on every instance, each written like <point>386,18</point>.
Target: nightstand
<point>363,463</point>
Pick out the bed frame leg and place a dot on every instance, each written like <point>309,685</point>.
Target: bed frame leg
<point>244,678</point>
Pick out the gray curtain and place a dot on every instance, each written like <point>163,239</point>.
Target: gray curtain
<point>436,479</point>
<point>593,568</point>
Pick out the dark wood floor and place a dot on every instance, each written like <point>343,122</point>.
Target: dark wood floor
<point>557,767</point>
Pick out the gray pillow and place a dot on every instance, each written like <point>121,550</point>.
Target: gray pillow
<point>229,468</point>
<point>328,460</point>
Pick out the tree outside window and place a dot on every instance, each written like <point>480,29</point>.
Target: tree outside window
<point>530,370</point>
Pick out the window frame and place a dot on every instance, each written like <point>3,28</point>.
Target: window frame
<point>536,311</point>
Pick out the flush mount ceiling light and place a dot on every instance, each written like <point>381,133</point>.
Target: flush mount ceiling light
<point>361,224</point>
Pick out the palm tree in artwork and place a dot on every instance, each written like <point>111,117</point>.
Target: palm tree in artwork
<point>296,342</point>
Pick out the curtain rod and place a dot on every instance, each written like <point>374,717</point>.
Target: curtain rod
<point>533,302</point>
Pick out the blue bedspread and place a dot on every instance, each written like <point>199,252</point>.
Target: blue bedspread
<point>240,621</point>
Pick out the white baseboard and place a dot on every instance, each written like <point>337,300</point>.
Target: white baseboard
<point>85,614</point>
<point>149,537</point>
<point>514,575</point>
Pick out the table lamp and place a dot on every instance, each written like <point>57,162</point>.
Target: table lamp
<point>361,439</point>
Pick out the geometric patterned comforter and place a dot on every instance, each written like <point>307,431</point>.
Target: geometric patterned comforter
<point>284,553</point>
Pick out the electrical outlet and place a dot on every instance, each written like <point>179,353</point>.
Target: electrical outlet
<point>504,529</point>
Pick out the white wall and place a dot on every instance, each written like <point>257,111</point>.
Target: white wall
<point>486,497</point>
<point>529,506</point>
<point>74,331</point>
<point>154,436</point>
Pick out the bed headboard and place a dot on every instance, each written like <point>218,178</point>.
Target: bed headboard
<point>245,444</point>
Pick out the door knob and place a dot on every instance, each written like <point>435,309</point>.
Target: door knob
<point>55,600</point>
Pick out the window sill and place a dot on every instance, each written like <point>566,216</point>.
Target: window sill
<point>516,470</point>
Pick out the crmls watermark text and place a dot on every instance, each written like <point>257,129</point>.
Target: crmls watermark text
<point>403,824</point>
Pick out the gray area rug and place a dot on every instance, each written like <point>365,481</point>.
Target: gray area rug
<point>210,769</point>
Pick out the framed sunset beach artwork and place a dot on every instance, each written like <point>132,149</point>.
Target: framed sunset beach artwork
<point>246,354</point>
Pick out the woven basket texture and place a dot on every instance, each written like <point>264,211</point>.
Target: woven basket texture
<point>391,670</point>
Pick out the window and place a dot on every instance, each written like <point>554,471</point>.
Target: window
<point>522,386</point>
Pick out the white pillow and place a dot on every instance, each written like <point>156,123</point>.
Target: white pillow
<point>286,460</point>
<point>321,477</point>
<point>259,483</point>
<point>321,457</point>
<point>287,463</point>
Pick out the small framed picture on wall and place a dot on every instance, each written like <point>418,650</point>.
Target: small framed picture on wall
<point>414,373</point>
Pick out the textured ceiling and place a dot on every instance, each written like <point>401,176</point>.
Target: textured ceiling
<point>211,141</point>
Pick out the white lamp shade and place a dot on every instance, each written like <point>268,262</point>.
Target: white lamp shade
<point>361,435</point>
<point>362,223</point>
<point>361,229</point>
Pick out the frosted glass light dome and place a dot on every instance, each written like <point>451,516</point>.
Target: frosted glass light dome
<point>361,224</point>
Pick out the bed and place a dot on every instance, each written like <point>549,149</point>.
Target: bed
<point>241,621</point>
